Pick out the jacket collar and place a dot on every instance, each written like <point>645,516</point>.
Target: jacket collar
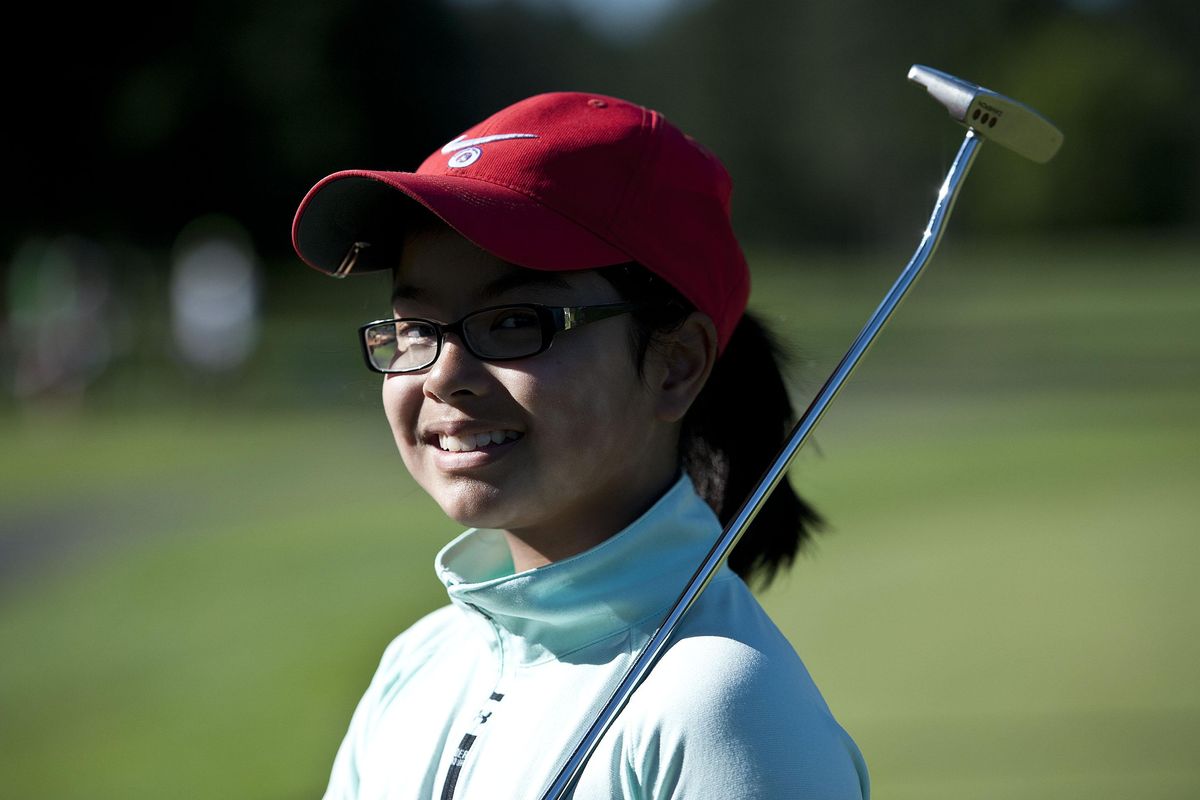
<point>556,609</point>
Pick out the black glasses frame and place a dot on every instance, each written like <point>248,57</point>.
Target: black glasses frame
<point>553,320</point>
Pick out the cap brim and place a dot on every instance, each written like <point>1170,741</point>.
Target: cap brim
<point>374,208</point>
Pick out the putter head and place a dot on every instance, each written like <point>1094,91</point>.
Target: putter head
<point>993,116</point>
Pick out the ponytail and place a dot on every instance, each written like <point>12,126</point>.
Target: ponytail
<point>724,449</point>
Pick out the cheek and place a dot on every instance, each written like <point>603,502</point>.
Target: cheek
<point>401,405</point>
<point>601,403</point>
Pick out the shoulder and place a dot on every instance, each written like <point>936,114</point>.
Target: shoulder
<point>728,656</point>
<point>731,710</point>
<point>432,651</point>
<point>423,638</point>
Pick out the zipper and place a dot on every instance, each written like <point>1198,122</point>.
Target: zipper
<point>485,713</point>
<point>464,746</point>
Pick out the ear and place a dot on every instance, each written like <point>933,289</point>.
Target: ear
<point>684,359</point>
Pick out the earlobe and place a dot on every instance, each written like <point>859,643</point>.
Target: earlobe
<point>686,356</point>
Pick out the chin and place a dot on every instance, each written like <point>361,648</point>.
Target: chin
<point>476,506</point>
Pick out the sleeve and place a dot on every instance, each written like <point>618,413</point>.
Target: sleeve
<point>400,658</point>
<point>344,777</point>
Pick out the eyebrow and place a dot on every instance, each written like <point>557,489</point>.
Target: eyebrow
<point>515,278</point>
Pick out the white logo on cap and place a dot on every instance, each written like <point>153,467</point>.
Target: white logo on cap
<point>466,151</point>
<point>464,158</point>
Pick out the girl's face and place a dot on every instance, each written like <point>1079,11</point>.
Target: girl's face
<point>576,444</point>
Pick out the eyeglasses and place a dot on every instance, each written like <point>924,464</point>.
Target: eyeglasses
<point>499,333</point>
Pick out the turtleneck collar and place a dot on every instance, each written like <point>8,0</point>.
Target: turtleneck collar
<point>560,607</point>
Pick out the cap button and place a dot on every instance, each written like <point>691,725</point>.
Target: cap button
<point>596,103</point>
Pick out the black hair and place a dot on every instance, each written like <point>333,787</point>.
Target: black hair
<point>724,455</point>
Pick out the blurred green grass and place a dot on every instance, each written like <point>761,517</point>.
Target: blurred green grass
<point>196,596</point>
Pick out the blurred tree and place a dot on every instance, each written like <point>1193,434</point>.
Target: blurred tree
<point>130,130</point>
<point>805,103</point>
<point>126,128</point>
<point>1122,99</point>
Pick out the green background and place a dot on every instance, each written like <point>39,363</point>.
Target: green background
<point>199,572</point>
<point>1005,604</point>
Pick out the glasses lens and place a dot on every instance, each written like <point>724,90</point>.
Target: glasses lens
<point>403,345</point>
<point>509,332</point>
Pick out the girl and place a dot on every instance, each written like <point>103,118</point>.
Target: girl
<point>569,371</point>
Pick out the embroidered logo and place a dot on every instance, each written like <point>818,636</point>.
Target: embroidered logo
<point>467,151</point>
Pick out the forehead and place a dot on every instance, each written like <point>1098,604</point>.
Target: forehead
<point>440,267</point>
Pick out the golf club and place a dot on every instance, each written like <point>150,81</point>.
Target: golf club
<point>986,115</point>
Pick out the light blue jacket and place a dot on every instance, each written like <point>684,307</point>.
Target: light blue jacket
<point>482,699</point>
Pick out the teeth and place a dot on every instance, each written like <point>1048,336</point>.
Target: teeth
<point>476,441</point>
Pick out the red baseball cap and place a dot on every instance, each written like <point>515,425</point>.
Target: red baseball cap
<point>559,181</point>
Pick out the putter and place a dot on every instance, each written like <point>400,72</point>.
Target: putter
<point>986,115</point>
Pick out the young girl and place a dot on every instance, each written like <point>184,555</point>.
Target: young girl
<point>569,371</point>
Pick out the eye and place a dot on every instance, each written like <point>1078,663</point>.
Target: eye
<point>415,329</point>
<point>511,319</point>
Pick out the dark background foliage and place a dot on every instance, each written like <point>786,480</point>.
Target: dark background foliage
<point>127,125</point>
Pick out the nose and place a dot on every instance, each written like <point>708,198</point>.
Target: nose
<point>456,373</point>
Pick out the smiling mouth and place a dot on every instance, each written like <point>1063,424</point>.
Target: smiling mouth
<point>475,441</point>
